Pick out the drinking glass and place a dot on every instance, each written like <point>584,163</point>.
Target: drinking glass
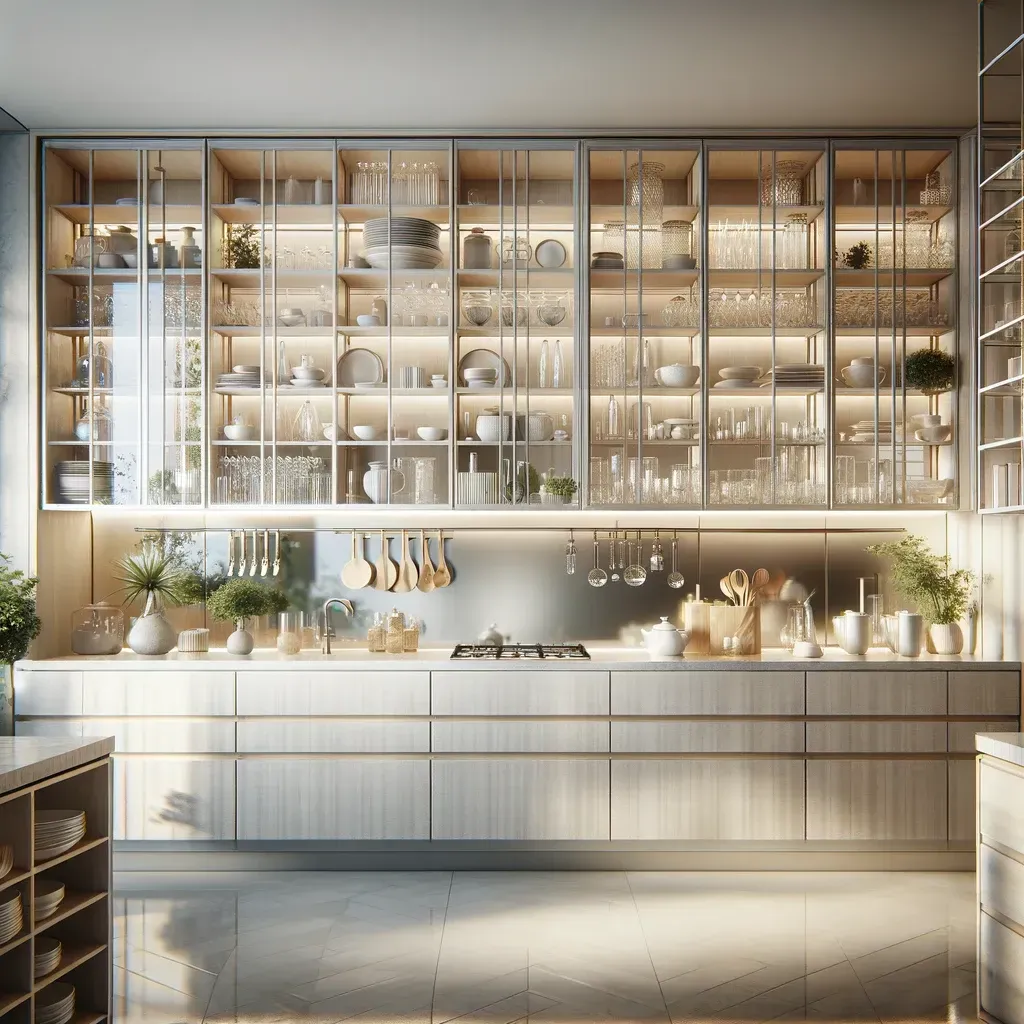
<point>600,481</point>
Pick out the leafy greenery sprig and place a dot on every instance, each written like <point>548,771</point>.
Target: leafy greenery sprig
<point>924,578</point>
<point>244,599</point>
<point>19,624</point>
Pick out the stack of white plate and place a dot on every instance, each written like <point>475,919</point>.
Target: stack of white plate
<point>73,481</point>
<point>11,917</point>
<point>6,859</point>
<point>55,1004</point>
<point>864,431</point>
<point>48,897</point>
<point>57,832</point>
<point>796,375</point>
<point>240,377</point>
<point>47,956</point>
<point>410,244</point>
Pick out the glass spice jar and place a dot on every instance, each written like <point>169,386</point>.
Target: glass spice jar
<point>375,635</point>
<point>394,637</point>
<point>411,638</point>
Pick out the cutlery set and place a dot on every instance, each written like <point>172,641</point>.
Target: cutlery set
<point>256,566</point>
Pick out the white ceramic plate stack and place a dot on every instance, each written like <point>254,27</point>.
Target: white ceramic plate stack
<point>49,896</point>
<point>46,957</point>
<point>411,243</point>
<point>11,917</point>
<point>737,377</point>
<point>480,376</point>
<point>55,1004</point>
<point>240,377</point>
<point>863,431</point>
<point>57,832</point>
<point>6,859</point>
<point>795,375</point>
<point>73,481</point>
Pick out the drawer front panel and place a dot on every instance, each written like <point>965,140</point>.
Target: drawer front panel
<point>876,737</point>
<point>520,693</point>
<point>1001,974</point>
<point>332,737</point>
<point>707,737</point>
<point>520,737</point>
<point>1001,884</point>
<point>707,693</point>
<point>963,787</point>
<point>1001,817</point>
<point>984,693</point>
<point>876,693</point>
<point>47,693</point>
<point>961,734</point>
<point>158,693</point>
<point>164,736</point>
<point>334,693</point>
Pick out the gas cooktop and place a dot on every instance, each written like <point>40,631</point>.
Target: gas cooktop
<point>550,652</point>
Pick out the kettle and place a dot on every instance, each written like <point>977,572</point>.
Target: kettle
<point>664,641</point>
<point>853,632</point>
<point>491,636</point>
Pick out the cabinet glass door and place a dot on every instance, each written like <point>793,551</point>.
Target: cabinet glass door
<point>646,358</point>
<point>516,358</point>
<point>894,330</point>
<point>767,416</point>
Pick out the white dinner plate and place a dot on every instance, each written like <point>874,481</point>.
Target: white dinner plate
<point>360,366</point>
<point>550,254</point>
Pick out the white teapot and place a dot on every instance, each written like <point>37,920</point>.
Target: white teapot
<point>663,640</point>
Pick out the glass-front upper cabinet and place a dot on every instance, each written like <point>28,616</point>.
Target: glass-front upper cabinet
<point>645,354</point>
<point>515,363</point>
<point>123,378</point>
<point>767,249</point>
<point>894,352</point>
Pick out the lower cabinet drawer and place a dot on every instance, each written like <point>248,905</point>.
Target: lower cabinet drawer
<point>174,798</point>
<point>708,799</point>
<point>963,786</point>
<point>876,799</point>
<point>1001,787</point>
<point>320,798</point>
<point>876,737</point>
<point>310,736</point>
<point>520,798</point>
<point>707,737</point>
<point>1001,884</point>
<point>520,737</point>
<point>1001,970</point>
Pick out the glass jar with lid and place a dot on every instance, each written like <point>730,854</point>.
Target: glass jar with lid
<point>677,245</point>
<point>476,250</point>
<point>97,629</point>
<point>394,636</point>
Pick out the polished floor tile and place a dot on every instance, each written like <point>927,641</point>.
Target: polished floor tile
<point>512,947</point>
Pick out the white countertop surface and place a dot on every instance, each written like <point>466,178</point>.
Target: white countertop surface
<point>603,657</point>
<point>1007,746</point>
<point>28,759</point>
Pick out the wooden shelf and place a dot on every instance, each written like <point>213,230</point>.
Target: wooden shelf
<point>371,279</point>
<point>355,213</point>
<point>71,956</point>
<point>245,331</point>
<point>886,332</point>
<point>535,393</point>
<point>532,218</point>
<point>84,846</point>
<point>9,1000</point>
<point>72,903</point>
<point>299,214</point>
<point>617,280</point>
<point>177,214</point>
<point>888,277</point>
<point>603,392</point>
<point>524,278</point>
<point>866,214</point>
<point>285,278</point>
<point>726,277</point>
<point>13,877</point>
<point>765,333</point>
<point>755,213</point>
<point>21,937</point>
<point>630,333</point>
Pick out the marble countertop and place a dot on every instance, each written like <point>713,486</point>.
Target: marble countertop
<point>1007,746</point>
<point>28,759</point>
<point>603,657</point>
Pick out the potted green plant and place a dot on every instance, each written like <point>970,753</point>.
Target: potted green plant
<point>858,257</point>
<point>19,626</point>
<point>239,600</point>
<point>931,370</point>
<point>242,247</point>
<point>941,596</point>
<point>157,577</point>
<point>561,488</point>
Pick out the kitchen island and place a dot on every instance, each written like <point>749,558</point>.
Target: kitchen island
<point>362,760</point>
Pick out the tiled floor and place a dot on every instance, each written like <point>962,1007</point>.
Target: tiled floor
<point>492,948</point>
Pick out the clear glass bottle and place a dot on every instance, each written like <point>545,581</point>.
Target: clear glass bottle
<point>556,368</point>
<point>614,418</point>
<point>543,368</point>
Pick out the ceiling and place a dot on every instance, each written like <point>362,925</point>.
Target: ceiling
<point>488,64</point>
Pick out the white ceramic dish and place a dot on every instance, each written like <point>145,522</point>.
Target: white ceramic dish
<point>934,435</point>
<point>335,433</point>
<point>677,375</point>
<point>239,431</point>
<point>431,433</point>
<point>360,366</point>
<point>367,320</point>
<point>363,432</point>
<point>307,373</point>
<point>244,368</point>
<point>739,372</point>
<point>550,254</point>
<point>483,357</point>
<point>734,385</point>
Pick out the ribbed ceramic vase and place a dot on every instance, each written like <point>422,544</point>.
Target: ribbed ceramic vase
<point>946,637</point>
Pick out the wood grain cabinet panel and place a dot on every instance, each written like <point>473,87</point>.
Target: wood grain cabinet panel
<point>327,736</point>
<point>1001,970</point>
<point>707,693</point>
<point>708,799</point>
<point>876,737</point>
<point>876,799</point>
<point>517,693</point>
<point>319,798</point>
<point>164,735</point>
<point>174,798</point>
<point>333,693</point>
<point>961,734</point>
<point>49,727</point>
<point>984,693</point>
<point>194,693</point>
<point>1001,884</point>
<point>520,737</point>
<point>1001,786</point>
<point>47,693</point>
<point>520,799</point>
<point>707,737</point>
<point>963,786</point>
<point>910,692</point>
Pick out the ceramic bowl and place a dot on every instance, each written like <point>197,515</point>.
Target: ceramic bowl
<point>332,433</point>
<point>928,492</point>
<point>438,382</point>
<point>307,373</point>
<point>934,435</point>
<point>368,320</point>
<point>109,260</point>
<point>362,432</point>
<point>861,375</point>
<point>677,375</point>
<point>239,431</point>
<point>131,259</point>
<point>739,372</point>
<point>291,319</point>
<point>487,428</point>
<point>431,433</point>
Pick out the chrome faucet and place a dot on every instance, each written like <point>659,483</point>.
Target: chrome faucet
<point>325,640</point>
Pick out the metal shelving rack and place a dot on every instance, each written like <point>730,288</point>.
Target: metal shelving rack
<point>1000,255</point>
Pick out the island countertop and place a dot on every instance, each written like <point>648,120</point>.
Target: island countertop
<point>28,759</point>
<point>1007,746</point>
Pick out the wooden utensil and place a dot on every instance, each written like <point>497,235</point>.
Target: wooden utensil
<point>357,571</point>
<point>442,575</point>
<point>407,571</point>
<point>386,570</point>
<point>740,583</point>
<point>265,561</point>
<point>255,549</point>
<point>757,583</point>
<point>426,580</point>
<point>723,585</point>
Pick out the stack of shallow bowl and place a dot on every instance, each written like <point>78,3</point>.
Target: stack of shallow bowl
<point>55,1004</point>
<point>47,956</point>
<point>73,481</point>
<point>57,832</point>
<point>6,859</point>
<point>11,917</point>
<point>48,897</point>
<point>410,244</point>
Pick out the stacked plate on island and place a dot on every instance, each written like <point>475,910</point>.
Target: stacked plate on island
<point>11,916</point>
<point>57,832</point>
<point>409,244</point>
<point>48,897</point>
<point>46,956</point>
<point>55,1004</point>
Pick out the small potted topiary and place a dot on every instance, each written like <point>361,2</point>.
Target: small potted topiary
<point>156,576</point>
<point>560,489</point>
<point>239,600</point>
<point>930,370</point>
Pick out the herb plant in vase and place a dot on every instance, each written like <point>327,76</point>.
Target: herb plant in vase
<point>157,577</point>
<point>239,600</point>
<point>924,578</point>
<point>559,489</point>
<point>19,626</point>
<point>931,370</point>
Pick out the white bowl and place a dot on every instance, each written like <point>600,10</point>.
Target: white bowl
<point>307,373</point>
<point>438,382</point>
<point>487,429</point>
<point>131,259</point>
<point>245,368</point>
<point>933,435</point>
<point>480,373</point>
<point>431,433</point>
<point>806,649</point>
<point>677,375</point>
<point>239,431</point>
<point>739,372</point>
<point>363,432</point>
<point>861,376</point>
<point>368,320</point>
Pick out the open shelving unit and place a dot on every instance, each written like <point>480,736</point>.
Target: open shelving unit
<point>82,921</point>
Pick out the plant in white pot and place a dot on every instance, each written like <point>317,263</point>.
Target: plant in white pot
<point>923,577</point>
<point>157,577</point>
<point>239,600</point>
<point>19,626</point>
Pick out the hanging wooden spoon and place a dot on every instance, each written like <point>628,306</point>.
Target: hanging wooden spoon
<point>357,571</point>
<point>442,575</point>
<point>426,581</point>
<point>407,571</point>
<point>387,571</point>
<point>757,583</point>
